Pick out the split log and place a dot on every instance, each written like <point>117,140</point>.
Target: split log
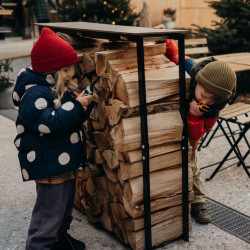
<point>156,205</point>
<point>129,171</point>
<point>111,157</point>
<point>121,233</point>
<point>103,57</point>
<point>94,170</point>
<point>159,84</point>
<point>119,212</point>
<point>119,192</point>
<point>163,128</point>
<point>157,217</point>
<point>102,185</point>
<point>111,174</point>
<point>106,221</point>
<point>101,140</point>
<point>129,65</point>
<point>90,187</point>
<point>161,232</point>
<point>118,110</point>
<point>133,191</point>
<point>88,57</point>
<point>136,155</point>
<point>98,157</point>
<point>96,125</point>
<point>111,188</point>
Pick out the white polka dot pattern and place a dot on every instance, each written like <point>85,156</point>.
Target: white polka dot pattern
<point>63,158</point>
<point>50,79</point>
<point>68,106</point>
<point>53,112</point>
<point>15,96</point>
<point>25,174</point>
<point>20,129</point>
<point>31,156</point>
<point>74,138</point>
<point>17,142</point>
<point>29,86</point>
<point>41,103</point>
<point>44,129</point>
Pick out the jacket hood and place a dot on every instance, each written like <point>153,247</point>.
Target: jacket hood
<point>27,79</point>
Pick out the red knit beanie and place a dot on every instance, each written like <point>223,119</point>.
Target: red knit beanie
<point>51,52</point>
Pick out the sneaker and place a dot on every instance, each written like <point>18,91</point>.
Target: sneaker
<point>199,212</point>
<point>67,242</point>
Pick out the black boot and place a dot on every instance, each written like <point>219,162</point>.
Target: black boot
<point>67,242</point>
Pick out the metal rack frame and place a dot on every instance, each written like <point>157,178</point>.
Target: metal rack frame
<point>137,35</point>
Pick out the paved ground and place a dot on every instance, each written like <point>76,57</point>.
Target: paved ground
<point>230,187</point>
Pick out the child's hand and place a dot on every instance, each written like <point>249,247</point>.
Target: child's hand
<point>194,109</point>
<point>160,26</point>
<point>84,100</point>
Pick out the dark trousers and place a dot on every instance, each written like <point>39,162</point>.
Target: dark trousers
<point>52,214</point>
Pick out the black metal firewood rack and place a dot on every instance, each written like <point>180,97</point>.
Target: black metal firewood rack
<point>137,35</point>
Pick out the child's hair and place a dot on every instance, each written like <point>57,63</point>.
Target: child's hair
<point>62,87</point>
<point>219,79</point>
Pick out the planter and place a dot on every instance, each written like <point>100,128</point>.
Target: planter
<point>168,22</point>
<point>6,98</point>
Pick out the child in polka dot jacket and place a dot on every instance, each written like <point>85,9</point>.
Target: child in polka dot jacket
<point>50,140</point>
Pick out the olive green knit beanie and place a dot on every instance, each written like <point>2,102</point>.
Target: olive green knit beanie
<point>218,78</point>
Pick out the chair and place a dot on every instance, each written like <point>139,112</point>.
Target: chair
<point>233,114</point>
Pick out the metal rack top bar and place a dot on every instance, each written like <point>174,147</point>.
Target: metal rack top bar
<point>110,29</point>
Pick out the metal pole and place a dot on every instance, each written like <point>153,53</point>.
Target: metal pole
<point>184,144</point>
<point>144,143</point>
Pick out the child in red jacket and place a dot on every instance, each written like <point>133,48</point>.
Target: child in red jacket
<point>213,85</point>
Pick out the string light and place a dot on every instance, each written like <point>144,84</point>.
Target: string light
<point>125,18</point>
<point>77,2</point>
<point>122,11</point>
<point>113,11</point>
<point>84,15</point>
<point>113,22</point>
<point>104,2</point>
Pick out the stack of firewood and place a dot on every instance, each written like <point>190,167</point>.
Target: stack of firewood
<point>110,189</point>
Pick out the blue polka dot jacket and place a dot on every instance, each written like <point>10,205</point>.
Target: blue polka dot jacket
<point>50,141</point>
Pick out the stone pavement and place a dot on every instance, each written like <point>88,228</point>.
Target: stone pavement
<point>230,187</point>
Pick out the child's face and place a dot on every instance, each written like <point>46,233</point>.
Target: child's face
<point>203,96</point>
<point>67,73</point>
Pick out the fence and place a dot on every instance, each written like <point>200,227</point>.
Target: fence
<point>188,12</point>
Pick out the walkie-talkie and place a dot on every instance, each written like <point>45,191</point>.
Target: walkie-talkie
<point>89,89</point>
